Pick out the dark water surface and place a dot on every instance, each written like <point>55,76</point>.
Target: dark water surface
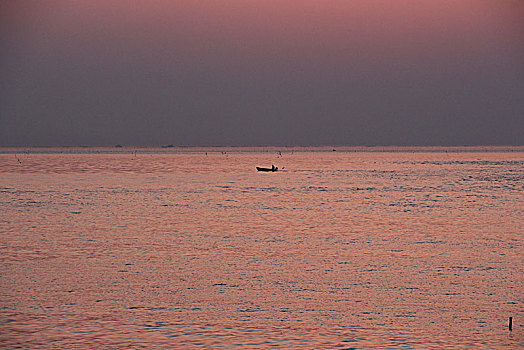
<point>341,250</point>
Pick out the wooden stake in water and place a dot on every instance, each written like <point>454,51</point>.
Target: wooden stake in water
<point>510,324</point>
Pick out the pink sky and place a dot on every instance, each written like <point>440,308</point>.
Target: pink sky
<point>338,53</point>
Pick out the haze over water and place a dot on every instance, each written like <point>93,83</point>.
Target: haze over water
<point>178,249</point>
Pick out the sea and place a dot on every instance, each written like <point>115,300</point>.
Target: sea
<point>192,248</point>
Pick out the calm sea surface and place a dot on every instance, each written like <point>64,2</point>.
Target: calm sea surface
<point>173,248</point>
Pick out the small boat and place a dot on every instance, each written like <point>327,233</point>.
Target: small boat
<point>273,168</point>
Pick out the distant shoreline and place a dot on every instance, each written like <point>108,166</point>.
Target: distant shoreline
<point>254,149</point>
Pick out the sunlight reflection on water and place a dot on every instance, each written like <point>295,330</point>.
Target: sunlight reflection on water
<point>339,250</point>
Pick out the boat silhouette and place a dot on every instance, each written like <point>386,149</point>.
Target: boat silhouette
<point>273,168</point>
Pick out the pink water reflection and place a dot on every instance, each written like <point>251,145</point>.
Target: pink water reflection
<point>184,250</point>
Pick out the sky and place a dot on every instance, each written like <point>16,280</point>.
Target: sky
<point>261,72</point>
